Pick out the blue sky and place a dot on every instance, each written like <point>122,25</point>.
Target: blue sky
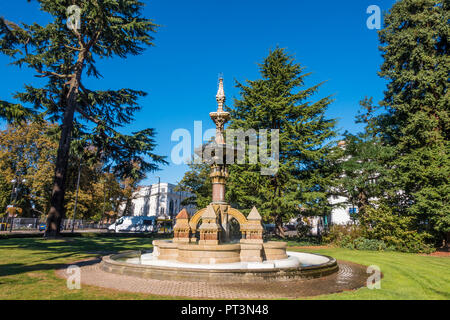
<point>199,39</point>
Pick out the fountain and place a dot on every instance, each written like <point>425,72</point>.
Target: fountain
<point>202,250</point>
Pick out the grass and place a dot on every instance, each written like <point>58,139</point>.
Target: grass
<point>27,270</point>
<point>406,276</point>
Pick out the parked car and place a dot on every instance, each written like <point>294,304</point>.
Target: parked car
<point>290,227</point>
<point>134,224</point>
<point>43,226</point>
<point>269,227</point>
<point>164,225</point>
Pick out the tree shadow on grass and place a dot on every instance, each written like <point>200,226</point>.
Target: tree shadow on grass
<point>19,268</point>
<point>74,245</point>
<point>37,252</point>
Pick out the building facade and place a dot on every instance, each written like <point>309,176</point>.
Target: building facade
<point>160,200</point>
<point>342,214</point>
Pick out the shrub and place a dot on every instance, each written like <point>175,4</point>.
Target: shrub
<point>380,229</point>
<point>342,235</point>
<point>395,231</point>
<point>303,228</point>
<point>369,244</point>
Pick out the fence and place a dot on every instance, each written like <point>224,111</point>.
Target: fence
<point>33,224</point>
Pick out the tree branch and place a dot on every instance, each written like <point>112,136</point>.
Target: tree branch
<point>85,115</point>
<point>54,74</point>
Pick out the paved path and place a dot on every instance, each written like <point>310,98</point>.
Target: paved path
<point>349,277</point>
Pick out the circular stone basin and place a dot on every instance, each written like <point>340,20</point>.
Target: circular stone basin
<point>297,265</point>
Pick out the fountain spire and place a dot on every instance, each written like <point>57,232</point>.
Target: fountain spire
<point>220,117</point>
<point>220,97</point>
<point>219,173</point>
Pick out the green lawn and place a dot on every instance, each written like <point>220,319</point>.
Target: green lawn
<point>27,270</point>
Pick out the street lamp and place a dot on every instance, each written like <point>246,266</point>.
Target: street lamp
<point>76,196</point>
<point>13,181</point>
<point>14,190</point>
<point>14,193</point>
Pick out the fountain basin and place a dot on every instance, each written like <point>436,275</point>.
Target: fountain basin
<point>145,265</point>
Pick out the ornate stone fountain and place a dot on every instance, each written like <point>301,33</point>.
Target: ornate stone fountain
<point>205,237</point>
<point>201,248</point>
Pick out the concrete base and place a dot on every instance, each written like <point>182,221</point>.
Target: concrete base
<point>274,250</point>
<point>296,266</point>
<point>207,252</point>
<point>251,252</point>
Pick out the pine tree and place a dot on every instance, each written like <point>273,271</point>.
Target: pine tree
<point>416,64</point>
<point>280,101</point>
<point>363,162</point>
<point>65,57</point>
<point>197,182</point>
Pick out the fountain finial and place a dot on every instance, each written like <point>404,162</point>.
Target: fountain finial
<point>220,97</point>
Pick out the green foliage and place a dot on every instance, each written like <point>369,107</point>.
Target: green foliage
<point>280,101</point>
<point>363,161</point>
<point>66,58</point>
<point>396,231</point>
<point>197,182</point>
<point>303,228</point>
<point>27,151</point>
<point>416,64</point>
<point>364,244</point>
<point>340,235</point>
<point>381,229</point>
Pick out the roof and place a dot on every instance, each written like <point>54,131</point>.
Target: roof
<point>183,214</point>
<point>254,214</point>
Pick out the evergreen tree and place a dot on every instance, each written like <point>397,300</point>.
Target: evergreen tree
<point>416,64</point>
<point>280,101</point>
<point>65,57</point>
<point>197,182</point>
<point>363,162</point>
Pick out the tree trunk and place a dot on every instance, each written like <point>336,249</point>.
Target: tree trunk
<point>279,226</point>
<point>362,203</point>
<point>57,210</point>
<point>447,242</point>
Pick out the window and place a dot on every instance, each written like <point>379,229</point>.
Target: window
<point>171,207</point>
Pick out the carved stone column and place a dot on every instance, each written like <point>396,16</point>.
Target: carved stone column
<point>182,230</point>
<point>209,229</point>
<point>253,229</point>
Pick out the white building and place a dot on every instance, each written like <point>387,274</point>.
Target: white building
<point>160,200</point>
<point>340,214</point>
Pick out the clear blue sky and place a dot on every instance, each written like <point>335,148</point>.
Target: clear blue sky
<point>199,39</point>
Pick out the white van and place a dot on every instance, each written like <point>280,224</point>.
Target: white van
<point>134,224</point>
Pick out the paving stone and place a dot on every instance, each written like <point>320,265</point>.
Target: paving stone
<point>349,277</point>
